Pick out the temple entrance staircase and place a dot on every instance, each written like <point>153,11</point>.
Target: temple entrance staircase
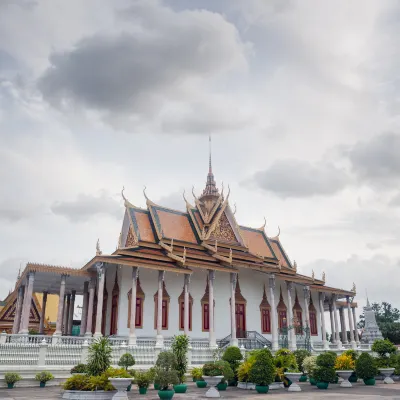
<point>250,340</point>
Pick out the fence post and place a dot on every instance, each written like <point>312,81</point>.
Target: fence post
<point>42,353</point>
<point>85,352</point>
<point>243,351</point>
<point>189,355</point>
<point>122,349</point>
<point>3,337</point>
<point>157,351</point>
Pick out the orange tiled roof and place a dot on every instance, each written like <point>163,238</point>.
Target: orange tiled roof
<point>280,253</point>
<point>257,242</point>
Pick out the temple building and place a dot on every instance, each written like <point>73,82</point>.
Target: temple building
<point>197,272</point>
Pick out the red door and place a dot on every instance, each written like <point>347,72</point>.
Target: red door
<point>240,320</point>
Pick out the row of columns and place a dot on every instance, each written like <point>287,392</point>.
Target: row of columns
<point>352,321</point>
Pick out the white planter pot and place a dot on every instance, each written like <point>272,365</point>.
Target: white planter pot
<point>212,381</point>
<point>121,385</point>
<point>387,372</point>
<point>345,375</point>
<point>294,377</point>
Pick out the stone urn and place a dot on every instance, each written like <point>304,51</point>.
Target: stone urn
<point>294,377</point>
<point>121,385</point>
<point>387,372</point>
<point>345,375</point>
<point>212,381</point>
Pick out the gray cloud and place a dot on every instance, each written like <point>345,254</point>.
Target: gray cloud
<point>14,214</point>
<point>86,207</point>
<point>298,178</point>
<point>395,201</point>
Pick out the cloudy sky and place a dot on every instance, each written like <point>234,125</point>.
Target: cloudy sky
<point>301,99</point>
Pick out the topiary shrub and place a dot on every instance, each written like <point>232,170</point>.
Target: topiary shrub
<point>180,346</point>
<point>327,359</point>
<point>226,370</point>
<point>384,348</point>
<point>366,366</point>
<point>300,355</point>
<point>126,361</point>
<point>233,356</point>
<point>99,358</point>
<point>262,372</point>
<point>324,374</point>
<point>166,360</point>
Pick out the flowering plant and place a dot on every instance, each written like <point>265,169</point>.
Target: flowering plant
<point>344,362</point>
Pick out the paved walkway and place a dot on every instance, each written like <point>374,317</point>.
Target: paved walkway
<point>358,391</point>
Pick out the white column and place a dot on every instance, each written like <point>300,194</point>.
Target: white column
<point>351,328</point>
<point>132,321</point>
<point>332,323</point>
<point>160,338</point>
<point>27,304</point>
<point>18,309</point>
<point>274,313</point>
<point>322,313</point>
<point>66,313</point>
<point>59,322</point>
<point>101,273</point>
<point>186,304</point>
<point>335,317</point>
<point>43,313</point>
<point>234,341</point>
<point>84,308</point>
<point>71,312</point>
<point>292,333</point>
<point>89,319</point>
<point>307,294</point>
<point>355,327</point>
<point>343,325</point>
<point>211,278</point>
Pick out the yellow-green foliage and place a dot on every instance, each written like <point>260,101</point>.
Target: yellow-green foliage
<point>244,369</point>
<point>344,362</point>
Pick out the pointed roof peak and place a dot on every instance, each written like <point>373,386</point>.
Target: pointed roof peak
<point>211,187</point>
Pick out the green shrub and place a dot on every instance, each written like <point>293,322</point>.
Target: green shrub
<point>300,355</point>
<point>352,353</point>
<point>327,360</point>
<point>76,382</point>
<point>99,359</point>
<point>227,371</point>
<point>126,360</point>
<point>166,360</point>
<point>44,376</point>
<point>143,379</point>
<point>262,372</point>
<point>244,370</point>
<point>152,373</point>
<point>12,377</point>
<point>385,348</point>
<point>324,374</point>
<point>233,356</point>
<point>197,373</point>
<point>213,369</point>
<point>366,366</point>
<point>166,378</point>
<point>180,346</point>
<point>79,369</point>
<point>309,364</point>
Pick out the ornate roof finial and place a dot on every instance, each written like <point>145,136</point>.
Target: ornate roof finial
<point>98,251</point>
<point>295,265</point>
<point>313,275</point>
<point>209,148</point>
<point>353,289</point>
<point>323,276</point>
<point>144,192</point>
<point>211,187</point>
<point>195,197</point>
<point>234,212</point>
<point>265,223</point>
<point>366,293</point>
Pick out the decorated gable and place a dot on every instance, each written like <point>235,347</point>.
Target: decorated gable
<point>223,231</point>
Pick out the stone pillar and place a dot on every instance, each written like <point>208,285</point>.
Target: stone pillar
<point>186,305</point>
<point>18,309</point>
<point>335,317</point>
<point>211,278</point>
<point>322,313</point>
<point>343,325</point>
<point>357,338</point>
<point>132,321</point>
<point>351,328</point>
<point>307,294</point>
<point>59,322</point>
<point>333,336</point>
<point>89,320</point>
<point>160,338</point>
<point>234,341</point>
<point>71,312</point>
<point>27,305</point>
<point>101,273</point>
<point>66,313</point>
<point>43,313</point>
<point>274,314</point>
<point>291,333</point>
<point>84,308</point>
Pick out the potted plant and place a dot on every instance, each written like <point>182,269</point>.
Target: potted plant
<point>324,373</point>
<point>143,380</point>
<point>228,375</point>
<point>126,361</point>
<point>234,357</point>
<point>262,372</point>
<point>294,375</point>
<point>344,366</point>
<point>43,377</point>
<point>213,374</point>
<point>354,355</point>
<point>165,374</point>
<point>366,368</point>
<point>284,360</point>
<point>196,373</point>
<point>309,364</point>
<point>384,348</point>
<point>180,346</point>
<point>79,369</point>
<point>300,355</point>
<point>11,378</point>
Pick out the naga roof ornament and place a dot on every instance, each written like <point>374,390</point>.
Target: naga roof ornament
<point>263,227</point>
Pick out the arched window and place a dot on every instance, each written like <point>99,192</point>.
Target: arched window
<point>298,315</point>
<point>94,317</point>
<point>181,302</point>
<point>313,318</point>
<point>240,311</point>
<point>205,310</point>
<point>165,308</point>
<point>139,306</point>
<point>114,306</point>
<point>265,310</point>
<point>282,312</point>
